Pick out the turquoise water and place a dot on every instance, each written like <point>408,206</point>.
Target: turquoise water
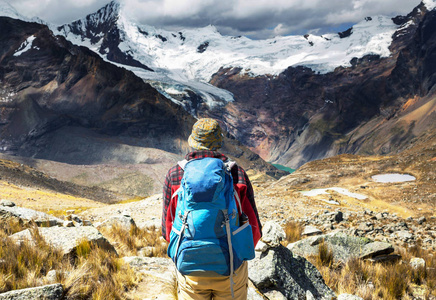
<point>283,168</point>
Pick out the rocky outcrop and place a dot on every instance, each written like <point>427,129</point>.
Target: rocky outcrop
<point>47,292</point>
<point>277,269</point>
<point>69,105</point>
<point>377,106</point>
<point>67,238</point>
<point>380,226</point>
<point>124,221</point>
<point>342,245</point>
<point>278,274</point>
<point>101,28</point>
<point>28,215</point>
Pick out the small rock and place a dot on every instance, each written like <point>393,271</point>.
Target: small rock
<point>366,227</point>
<point>273,234</point>
<point>125,222</point>
<point>68,224</point>
<point>51,276</point>
<point>376,248</point>
<point>261,246</point>
<point>70,211</point>
<point>275,295</point>
<point>421,220</point>
<point>67,238</point>
<point>417,263</point>
<point>404,235</point>
<point>311,230</point>
<point>74,218</point>
<point>7,203</point>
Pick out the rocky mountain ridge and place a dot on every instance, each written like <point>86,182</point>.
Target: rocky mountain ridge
<point>371,103</point>
<point>64,103</point>
<point>375,107</point>
<point>376,104</point>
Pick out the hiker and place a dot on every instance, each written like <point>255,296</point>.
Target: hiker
<point>202,278</point>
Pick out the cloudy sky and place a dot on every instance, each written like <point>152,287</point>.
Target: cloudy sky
<point>253,18</point>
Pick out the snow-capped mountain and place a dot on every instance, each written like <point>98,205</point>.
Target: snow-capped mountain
<point>6,10</point>
<point>187,59</point>
<point>369,89</point>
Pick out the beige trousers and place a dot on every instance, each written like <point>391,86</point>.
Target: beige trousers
<point>216,288</point>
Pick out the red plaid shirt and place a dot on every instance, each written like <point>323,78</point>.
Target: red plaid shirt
<point>241,183</point>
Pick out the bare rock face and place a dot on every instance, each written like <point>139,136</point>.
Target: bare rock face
<point>7,203</point>
<point>27,215</point>
<point>70,106</point>
<point>278,272</point>
<point>67,238</point>
<point>272,234</point>
<point>343,246</point>
<point>47,292</point>
<point>123,221</point>
<point>308,116</point>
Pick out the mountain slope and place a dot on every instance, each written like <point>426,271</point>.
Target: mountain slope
<point>291,99</point>
<point>375,107</point>
<point>186,60</point>
<point>63,102</point>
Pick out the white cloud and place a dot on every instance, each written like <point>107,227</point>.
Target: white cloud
<point>258,18</point>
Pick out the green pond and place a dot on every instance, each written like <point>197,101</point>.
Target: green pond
<point>283,168</point>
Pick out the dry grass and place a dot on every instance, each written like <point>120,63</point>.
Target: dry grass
<point>98,275</point>
<point>62,213</point>
<point>92,274</point>
<point>394,280</point>
<point>293,232</point>
<point>325,255</point>
<point>373,281</point>
<point>25,265</point>
<point>129,242</point>
<point>43,200</point>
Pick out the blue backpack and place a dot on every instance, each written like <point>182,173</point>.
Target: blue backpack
<point>206,239</point>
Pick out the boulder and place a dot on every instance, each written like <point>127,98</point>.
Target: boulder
<point>261,246</point>
<point>7,203</point>
<point>310,231</point>
<point>47,292</point>
<point>125,222</point>
<point>417,263</point>
<point>421,220</point>
<point>404,235</point>
<point>272,234</point>
<point>67,238</point>
<point>27,215</point>
<point>342,245</point>
<point>278,271</point>
<point>374,249</point>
